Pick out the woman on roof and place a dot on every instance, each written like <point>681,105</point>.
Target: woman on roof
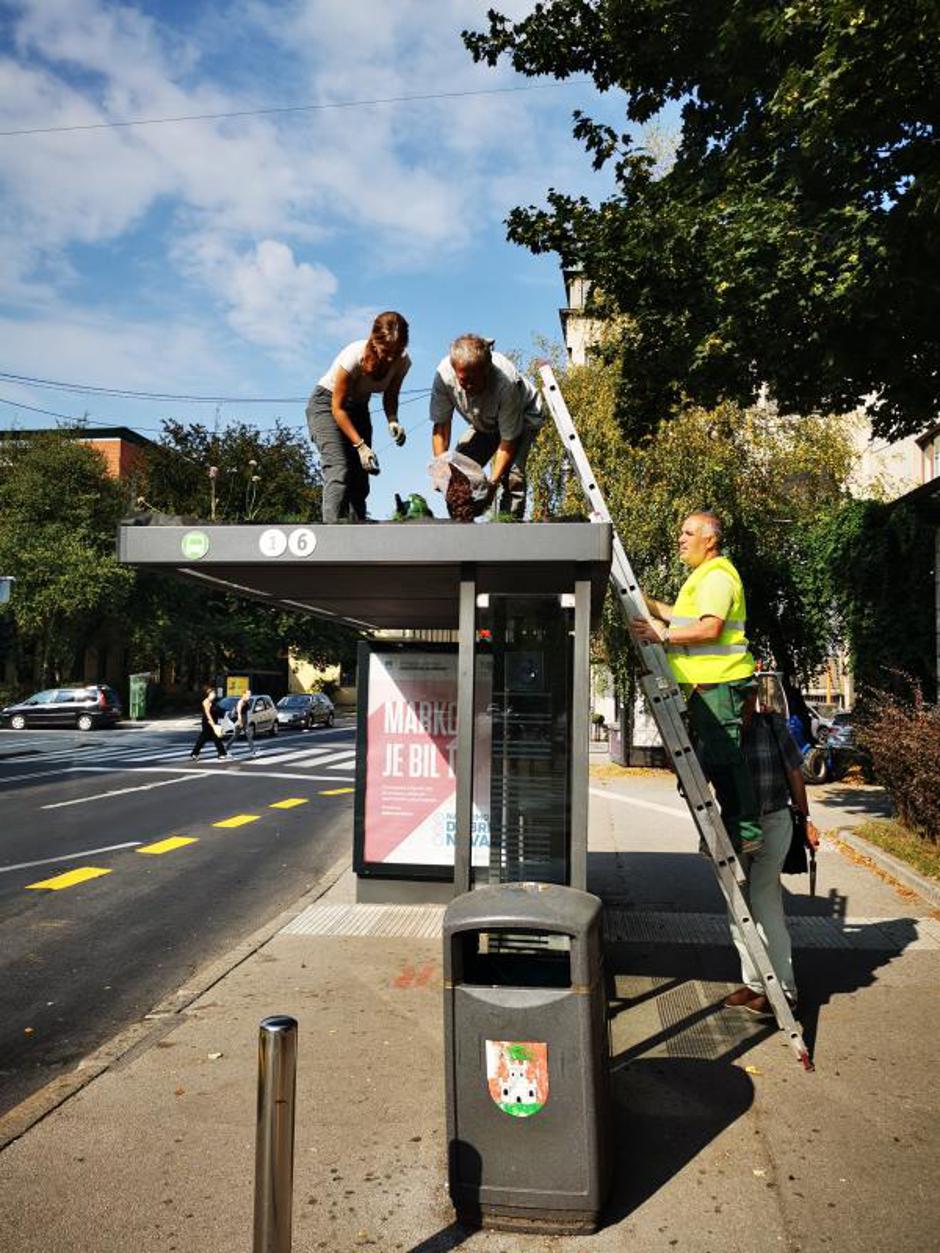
<point>339,420</point>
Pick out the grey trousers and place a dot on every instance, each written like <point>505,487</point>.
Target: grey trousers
<point>345,483</point>
<point>480,446</point>
<point>765,896</point>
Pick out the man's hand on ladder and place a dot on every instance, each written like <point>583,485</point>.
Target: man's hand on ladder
<point>646,631</point>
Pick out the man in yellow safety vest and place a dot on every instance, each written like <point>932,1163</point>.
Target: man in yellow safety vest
<point>703,634</point>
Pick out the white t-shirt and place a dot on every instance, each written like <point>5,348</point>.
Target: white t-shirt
<point>362,385</point>
<point>508,404</point>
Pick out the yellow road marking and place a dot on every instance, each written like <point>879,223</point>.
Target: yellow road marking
<point>167,845</point>
<point>70,878</point>
<point>337,791</point>
<point>289,803</point>
<point>238,821</point>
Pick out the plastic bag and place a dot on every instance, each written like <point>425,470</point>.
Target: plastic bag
<point>465,486</point>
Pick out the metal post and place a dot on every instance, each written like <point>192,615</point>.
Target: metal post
<point>466,667</point>
<point>274,1145</point>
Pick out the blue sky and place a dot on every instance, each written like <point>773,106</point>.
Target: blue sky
<point>236,257</point>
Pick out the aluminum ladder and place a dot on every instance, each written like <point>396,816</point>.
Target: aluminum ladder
<point>667,706</point>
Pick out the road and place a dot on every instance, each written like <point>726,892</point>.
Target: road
<point>117,880</point>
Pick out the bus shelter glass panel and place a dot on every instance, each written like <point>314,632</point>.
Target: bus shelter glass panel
<point>530,641</point>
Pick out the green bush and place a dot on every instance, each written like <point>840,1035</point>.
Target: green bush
<point>903,737</point>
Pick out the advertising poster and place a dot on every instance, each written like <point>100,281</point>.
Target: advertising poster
<point>409,813</point>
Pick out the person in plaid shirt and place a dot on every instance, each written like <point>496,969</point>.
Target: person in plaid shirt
<point>774,762</point>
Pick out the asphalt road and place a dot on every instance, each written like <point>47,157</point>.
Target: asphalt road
<point>95,930</point>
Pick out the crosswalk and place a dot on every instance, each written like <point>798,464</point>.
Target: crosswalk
<point>334,758</point>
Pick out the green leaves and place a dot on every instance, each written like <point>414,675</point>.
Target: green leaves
<point>795,239</point>
<point>58,516</point>
<point>775,481</point>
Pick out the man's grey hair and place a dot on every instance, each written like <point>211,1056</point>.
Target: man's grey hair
<point>471,350</point>
<point>711,523</point>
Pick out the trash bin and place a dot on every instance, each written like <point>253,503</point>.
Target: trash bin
<point>138,696</point>
<point>527,1058</point>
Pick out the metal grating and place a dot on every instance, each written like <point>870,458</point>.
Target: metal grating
<point>625,926</point>
<point>419,922</point>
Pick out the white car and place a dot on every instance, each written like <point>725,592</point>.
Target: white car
<point>261,713</point>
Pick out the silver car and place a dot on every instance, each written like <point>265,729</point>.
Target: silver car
<point>261,713</point>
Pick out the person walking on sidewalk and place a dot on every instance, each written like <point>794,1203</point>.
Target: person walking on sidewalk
<point>774,762</point>
<point>703,634</point>
<point>502,407</point>
<point>338,414</point>
<point>210,732</point>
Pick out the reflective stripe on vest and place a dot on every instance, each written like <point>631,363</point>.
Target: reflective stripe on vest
<point>719,661</point>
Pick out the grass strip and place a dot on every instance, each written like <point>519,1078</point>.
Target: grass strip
<point>895,838</point>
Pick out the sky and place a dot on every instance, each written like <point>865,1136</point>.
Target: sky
<point>236,256</point>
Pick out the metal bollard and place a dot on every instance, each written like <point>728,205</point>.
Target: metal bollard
<point>274,1146</point>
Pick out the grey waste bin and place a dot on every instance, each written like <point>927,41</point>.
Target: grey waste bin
<point>527,1058</point>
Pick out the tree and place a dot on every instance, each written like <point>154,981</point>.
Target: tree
<point>795,239</point>
<point>879,561</point>
<point>59,511</point>
<point>772,479</point>
<point>259,476</point>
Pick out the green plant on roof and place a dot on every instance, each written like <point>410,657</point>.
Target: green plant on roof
<point>519,1053</point>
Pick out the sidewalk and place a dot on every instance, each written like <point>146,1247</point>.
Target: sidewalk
<point>724,1144</point>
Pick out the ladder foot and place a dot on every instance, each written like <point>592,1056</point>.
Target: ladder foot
<point>807,1061</point>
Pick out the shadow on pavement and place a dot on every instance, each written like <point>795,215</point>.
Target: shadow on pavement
<point>443,1241</point>
<point>855,799</point>
<point>667,1110</point>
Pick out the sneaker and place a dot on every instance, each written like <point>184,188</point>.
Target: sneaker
<point>760,1007</point>
<point>742,997</point>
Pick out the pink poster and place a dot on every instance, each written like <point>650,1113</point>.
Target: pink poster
<point>410,801</point>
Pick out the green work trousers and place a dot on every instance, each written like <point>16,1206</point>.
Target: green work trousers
<point>715,721</point>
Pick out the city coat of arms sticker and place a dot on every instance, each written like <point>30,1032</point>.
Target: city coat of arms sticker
<point>517,1075</point>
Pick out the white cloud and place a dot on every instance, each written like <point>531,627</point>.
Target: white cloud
<point>250,198</point>
<point>271,299</point>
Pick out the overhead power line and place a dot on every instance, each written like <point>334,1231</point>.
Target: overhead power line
<point>84,420</point>
<point>295,108</point>
<point>94,389</point>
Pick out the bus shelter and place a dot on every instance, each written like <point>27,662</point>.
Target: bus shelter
<point>472,757</point>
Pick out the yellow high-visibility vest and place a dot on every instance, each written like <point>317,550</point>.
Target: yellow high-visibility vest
<point>719,661</point>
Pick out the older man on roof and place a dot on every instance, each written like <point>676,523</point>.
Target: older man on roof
<point>502,407</point>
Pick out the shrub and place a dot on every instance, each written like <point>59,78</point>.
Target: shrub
<point>903,737</point>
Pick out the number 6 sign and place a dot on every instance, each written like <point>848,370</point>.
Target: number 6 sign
<point>302,542</point>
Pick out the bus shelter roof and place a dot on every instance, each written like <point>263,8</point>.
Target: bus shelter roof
<point>375,576</point>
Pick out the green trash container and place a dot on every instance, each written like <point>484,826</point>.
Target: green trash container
<point>138,696</point>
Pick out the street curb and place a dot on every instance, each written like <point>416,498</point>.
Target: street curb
<point>156,1024</point>
<point>906,875</point>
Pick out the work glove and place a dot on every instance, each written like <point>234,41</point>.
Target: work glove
<point>367,458</point>
<point>398,433</point>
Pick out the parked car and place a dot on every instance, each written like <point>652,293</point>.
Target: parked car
<point>841,733</point>
<point>261,713</point>
<point>837,751</point>
<point>86,706</point>
<point>819,723</point>
<point>303,711</point>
